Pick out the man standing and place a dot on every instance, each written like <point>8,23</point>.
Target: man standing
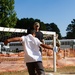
<point>39,34</point>
<point>32,56</point>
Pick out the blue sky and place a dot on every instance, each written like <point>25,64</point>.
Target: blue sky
<point>61,12</point>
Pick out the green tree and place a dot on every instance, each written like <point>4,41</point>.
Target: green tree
<point>43,26</point>
<point>26,23</point>
<point>53,27</point>
<point>71,30</point>
<point>7,14</point>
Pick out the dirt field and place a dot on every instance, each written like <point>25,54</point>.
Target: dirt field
<point>15,62</point>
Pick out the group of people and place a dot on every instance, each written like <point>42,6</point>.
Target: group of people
<point>32,44</point>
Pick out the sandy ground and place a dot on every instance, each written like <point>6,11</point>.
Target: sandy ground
<point>7,66</point>
<point>15,62</point>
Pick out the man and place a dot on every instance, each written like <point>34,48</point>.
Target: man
<point>33,57</point>
<point>39,34</point>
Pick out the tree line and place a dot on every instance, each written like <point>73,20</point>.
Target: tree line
<point>8,18</point>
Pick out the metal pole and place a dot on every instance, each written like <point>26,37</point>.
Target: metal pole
<point>54,54</point>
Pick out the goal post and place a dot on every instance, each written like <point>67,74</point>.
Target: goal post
<point>54,44</point>
<point>5,29</point>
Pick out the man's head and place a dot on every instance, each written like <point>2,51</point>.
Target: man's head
<point>33,32</point>
<point>36,26</point>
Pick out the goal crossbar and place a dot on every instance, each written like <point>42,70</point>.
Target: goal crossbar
<point>5,29</point>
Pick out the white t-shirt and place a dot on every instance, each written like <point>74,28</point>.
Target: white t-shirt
<point>31,48</point>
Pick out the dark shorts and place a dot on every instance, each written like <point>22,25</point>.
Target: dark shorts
<point>35,68</point>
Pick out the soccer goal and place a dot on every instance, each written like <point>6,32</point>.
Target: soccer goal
<point>6,33</point>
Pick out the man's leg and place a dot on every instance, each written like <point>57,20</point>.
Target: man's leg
<point>39,68</point>
<point>31,68</point>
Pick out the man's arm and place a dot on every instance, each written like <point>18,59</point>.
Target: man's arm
<point>43,41</point>
<point>12,40</point>
<point>46,46</point>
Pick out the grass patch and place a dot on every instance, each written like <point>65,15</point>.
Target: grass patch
<point>68,69</point>
<point>15,73</point>
<point>64,70</point>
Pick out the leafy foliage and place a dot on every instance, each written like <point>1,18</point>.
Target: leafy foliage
<point>53,27</point>
<point>71,30</point>
<point>7,13</point>
<point>26,23</point>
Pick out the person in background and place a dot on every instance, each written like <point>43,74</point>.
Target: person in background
<point>39,34</point>
<point>33,58</point>
<point>58,43</point>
